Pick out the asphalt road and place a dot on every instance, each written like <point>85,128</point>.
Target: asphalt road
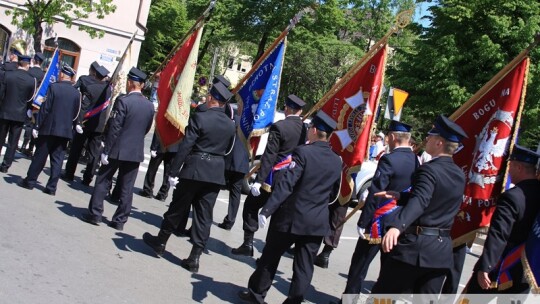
<point>48,255</point>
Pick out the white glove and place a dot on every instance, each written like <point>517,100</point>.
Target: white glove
<point>29,113</point>
<point>262,221</point>
<point>364,195</point>
<point>104,159</point>
<point>153,153</point>
<point>173,181</point>
<point>35,133</point>
<point>102,144</point>
<point>79,129</point>
<point>256,189</point>
<point>361,232</point>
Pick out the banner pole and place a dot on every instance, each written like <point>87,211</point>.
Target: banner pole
<point>204,15</point>
<point>402,20</point>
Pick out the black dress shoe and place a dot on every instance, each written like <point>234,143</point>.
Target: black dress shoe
<point>244,249</point>
<point>24,184</point>
<point>143,193</point>
<point>49,192</point>
<point>90,219</point>
<point>225,226</point>
<point>3,169</point>
<point>86,182</point>
<point>246,296</point>
<point>67,178</point>
<point>160,197</point>
<point>116,225</point>
<point>154,243</point>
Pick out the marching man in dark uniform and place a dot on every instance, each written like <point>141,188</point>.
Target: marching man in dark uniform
<point>284,136</point>
<point>394,172</point>
<point>37,72</point>
<point>418,234</point>
<point>510,225</point>
<point>298,207</point>
<point>16,49</point>
<point>18,89</point>
<point>53,129</point>
<point>85,80</point>
<point>158,154</point>
<point>89,130</point>
<point>198,168</point>
<point>130,120</point>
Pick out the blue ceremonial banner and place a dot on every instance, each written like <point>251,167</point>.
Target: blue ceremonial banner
<point>50,76</point>
<point>530,260</point>
<point>258,96</point>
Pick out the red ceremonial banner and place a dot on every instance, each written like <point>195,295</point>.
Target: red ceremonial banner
<point>490,124</point>
<point>353,107</point>
<point>168,132</point>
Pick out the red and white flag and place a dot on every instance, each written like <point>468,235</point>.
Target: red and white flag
<point>491,122</point>
<point>174,91</point>
<point>353,106</point>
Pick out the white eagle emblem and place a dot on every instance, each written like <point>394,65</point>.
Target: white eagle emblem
<point>490,147</point>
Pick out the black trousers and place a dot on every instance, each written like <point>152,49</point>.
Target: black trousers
<point>234,184</point>
<point>397,277</point>
<point>93,149</point>
<point>337,215</point>
<point>305,251</point>
<point>47,146</point>
<point>363,255</point>
<point>127,174</point>
<point>250,213</point>
<point>14,129</point>
<point>203,196</point>
<point>153,167</point>
<point>451,284</point>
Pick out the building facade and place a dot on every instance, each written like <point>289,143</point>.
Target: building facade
<point>77,48</point>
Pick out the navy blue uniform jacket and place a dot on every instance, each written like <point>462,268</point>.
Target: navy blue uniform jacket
<point>208,136</point>
<point>130,120</point>
<point>437,193</point>
<point>394,172</point>
<point>58,113</point>
<point>299,201</point>
<point>17,88</point>
<point>511,223</point>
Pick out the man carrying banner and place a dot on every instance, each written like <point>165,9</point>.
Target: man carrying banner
<point>418,235</point>
<point>54,125</point>
<point>499,269</point>
<point>284,136</point>
<point>394,173</point>
<point>90,127</point>
<point>18,87</point>
<point>130,121</point>
<point>198,168</point>
<point>298,207</point>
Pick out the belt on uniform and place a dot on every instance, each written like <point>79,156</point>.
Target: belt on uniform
<point>419,230</point>
<point>206,155</point>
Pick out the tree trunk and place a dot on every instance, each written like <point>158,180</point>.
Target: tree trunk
<point>262,44</point>
<point>38,34</point>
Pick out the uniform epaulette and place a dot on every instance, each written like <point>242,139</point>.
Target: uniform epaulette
<point>201,108</point>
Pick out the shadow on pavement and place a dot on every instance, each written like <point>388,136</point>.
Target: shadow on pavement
<point>225,291</point>
<point>146,217</point>
<point>70,210</point>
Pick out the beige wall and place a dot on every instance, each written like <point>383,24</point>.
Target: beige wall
<point>118,28</point>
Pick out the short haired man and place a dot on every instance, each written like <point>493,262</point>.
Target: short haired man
<point>512,222</point>
<point>54,125</point>
<point>418,235</point>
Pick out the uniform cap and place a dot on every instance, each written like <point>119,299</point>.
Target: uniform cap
<point>397,126</point>
<point>95,65</point>
<point>220,92</point>
<point>66,69</point>
<point>102,71</point>
<point>222,79</point>
<point>447,129</point>
<point>39,57</point>
<point>24,58</point>
<point>136,75</point>
<point>525,155</point>
<point>294,102</point>
<point>323,122</point>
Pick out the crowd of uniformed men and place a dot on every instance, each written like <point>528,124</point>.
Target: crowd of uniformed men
<point>294,192</point>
